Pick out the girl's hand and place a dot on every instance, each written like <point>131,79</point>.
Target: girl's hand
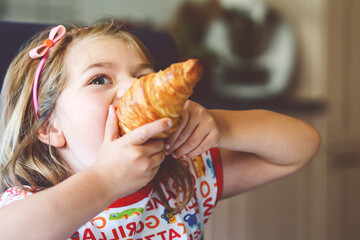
<point>198,132</point>
<point>128,163</point>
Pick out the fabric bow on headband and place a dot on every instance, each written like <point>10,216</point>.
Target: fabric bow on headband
<point>55,35</point>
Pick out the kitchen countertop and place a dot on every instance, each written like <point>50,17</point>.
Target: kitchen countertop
<point>281,104</point>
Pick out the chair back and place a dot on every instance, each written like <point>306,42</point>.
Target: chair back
<point>14,34</point>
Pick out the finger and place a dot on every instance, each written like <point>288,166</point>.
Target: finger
<point>192,142</point>
<point>111,125</point>
<point>142,134</point>
<point>183,137</point>
<point>154,171</point>
<point>184,121</point>
<point>154,146</point>
<point>157,158</point>
<point>206,144</point>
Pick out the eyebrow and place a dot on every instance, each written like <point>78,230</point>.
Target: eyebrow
<point>99,65</point>
<point>109,65</point>
<point>144,66</point>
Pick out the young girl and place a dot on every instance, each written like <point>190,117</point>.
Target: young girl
<point>66,173</point>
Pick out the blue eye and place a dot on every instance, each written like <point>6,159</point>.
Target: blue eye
<point>100,79</point>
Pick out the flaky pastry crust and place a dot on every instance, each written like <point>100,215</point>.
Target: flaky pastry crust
<point>159,95</point>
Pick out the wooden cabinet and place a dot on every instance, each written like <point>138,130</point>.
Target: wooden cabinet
<point>343,168</point>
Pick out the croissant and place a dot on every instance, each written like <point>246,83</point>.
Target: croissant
<point>159,95</point>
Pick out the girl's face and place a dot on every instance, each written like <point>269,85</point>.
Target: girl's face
<point>98,73</point>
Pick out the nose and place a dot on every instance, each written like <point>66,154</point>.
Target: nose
<point>121,87</point>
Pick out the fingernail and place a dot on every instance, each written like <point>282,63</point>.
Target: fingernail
<point>173,155</point>
<point>169,122</point>
<point>112,109</point>
<point>167,153</point>
<point>167,146</point>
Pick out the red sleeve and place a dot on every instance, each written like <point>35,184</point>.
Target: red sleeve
<point>217,164</point>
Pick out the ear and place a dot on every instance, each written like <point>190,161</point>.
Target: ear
<point>51,133</point>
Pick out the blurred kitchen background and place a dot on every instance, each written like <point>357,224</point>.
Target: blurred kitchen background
<point>298,57</point>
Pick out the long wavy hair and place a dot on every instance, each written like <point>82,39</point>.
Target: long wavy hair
<point>26,161</point>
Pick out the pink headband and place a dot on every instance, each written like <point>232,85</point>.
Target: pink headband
<point>55,35</point>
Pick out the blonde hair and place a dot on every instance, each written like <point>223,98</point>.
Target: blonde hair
<point>24,160</point>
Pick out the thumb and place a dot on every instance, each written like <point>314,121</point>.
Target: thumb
<point>143,133</point>
<point>111,125</point>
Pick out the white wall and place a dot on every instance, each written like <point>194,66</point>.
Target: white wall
<point>157,12</point>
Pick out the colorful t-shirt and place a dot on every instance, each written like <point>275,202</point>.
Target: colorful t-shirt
<point>142,216</point>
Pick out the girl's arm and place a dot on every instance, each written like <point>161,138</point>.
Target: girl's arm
<point>257,146</point>
<point>57,212</point>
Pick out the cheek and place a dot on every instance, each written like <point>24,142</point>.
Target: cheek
<point>84,134</point>
<point>90,118</point>
<point>84,121</point>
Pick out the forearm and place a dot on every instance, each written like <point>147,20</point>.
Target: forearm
<point>274,137</point>
<point>57,212</point>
